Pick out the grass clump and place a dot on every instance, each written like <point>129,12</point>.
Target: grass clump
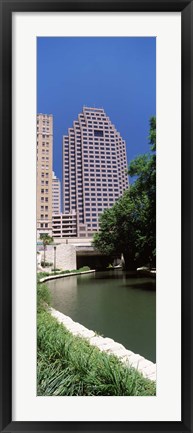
<point>69,366</point>
<point>59,272</point>
<point>84,268</point>
<point>43,297</point>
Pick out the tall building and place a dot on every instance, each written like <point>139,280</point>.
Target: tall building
<point>44,173</point>
<point>94,168</point>
<point>56,208</point>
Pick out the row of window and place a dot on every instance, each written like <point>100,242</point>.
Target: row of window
<point>93,159</point>
<point>44,208</point>
<point>101,185</point>
<point>91,152</point>
<point>44,216</point>
<point>43,129</point>
<point>103,191</point>
<point>44,158</point>
<point>110,199</point>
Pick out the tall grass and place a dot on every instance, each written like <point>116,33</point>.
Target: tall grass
<point>69,366</point>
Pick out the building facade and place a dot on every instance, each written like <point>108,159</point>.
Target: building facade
<point>94,168</point>
<point>56,207</point>
<point>44,173</point>
<point>64,225</point>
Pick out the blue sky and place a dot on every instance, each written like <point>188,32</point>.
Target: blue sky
<point>118,74</point>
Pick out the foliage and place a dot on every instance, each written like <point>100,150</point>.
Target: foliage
<point>59,272</point>
<point>129,226</point>
<point>41,275</point>
<point>69,366</point>
<point>43,296</point>
<point>46,264</point>
<point>46,239</point>
<point>84,269</point>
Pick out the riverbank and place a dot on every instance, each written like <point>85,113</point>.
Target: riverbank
<point>146,272</point>
<point>65,274</point>
<point>108,345</point>
<point>115,304</point>
<point>69,365</point>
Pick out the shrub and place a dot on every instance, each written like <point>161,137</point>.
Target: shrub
<point>84,268</point>
<point>43,296</point>
<point>42,275</point>
<point>47,264</point>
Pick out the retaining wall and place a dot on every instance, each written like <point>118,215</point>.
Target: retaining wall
<point>147,368</point>
<point>65,256</point>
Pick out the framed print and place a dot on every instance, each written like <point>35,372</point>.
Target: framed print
<point>96,178</point>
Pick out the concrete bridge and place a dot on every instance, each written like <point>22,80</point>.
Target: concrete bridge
<point>87,255</point>
<point>73,253</point>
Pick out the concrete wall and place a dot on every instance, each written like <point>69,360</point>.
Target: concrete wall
<point>65,256</point>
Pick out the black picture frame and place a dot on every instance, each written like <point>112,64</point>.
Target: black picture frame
<point>7,7</point>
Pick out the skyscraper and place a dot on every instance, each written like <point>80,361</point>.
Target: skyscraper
<point>94,168</point>
<point>44,173</point>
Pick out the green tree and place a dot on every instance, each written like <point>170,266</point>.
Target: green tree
<point>46,239</point>
<point>129,226</point>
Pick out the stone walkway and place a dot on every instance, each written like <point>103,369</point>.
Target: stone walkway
<point>147,368</point>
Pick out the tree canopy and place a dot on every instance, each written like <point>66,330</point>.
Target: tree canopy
<point>129,226</point>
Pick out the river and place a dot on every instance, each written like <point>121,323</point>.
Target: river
<point>112,303</point>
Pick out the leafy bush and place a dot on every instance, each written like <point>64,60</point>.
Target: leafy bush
<point>43,296</point>
<point>84,268</point>
<point>47,264</point>
<point>42,275</point>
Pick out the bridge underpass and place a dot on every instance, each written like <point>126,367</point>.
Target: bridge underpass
<point>88,256</point>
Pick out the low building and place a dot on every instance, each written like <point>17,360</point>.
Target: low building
<point>64,225</point>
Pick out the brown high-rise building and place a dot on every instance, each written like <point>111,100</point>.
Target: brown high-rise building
<point>94,168</point>
<point>44,173</point>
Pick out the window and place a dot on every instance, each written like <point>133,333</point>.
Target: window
<point>98,133</point>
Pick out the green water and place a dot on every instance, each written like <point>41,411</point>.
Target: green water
<point>114,305</point>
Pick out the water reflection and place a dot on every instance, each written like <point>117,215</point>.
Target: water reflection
<point>112,303</point>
